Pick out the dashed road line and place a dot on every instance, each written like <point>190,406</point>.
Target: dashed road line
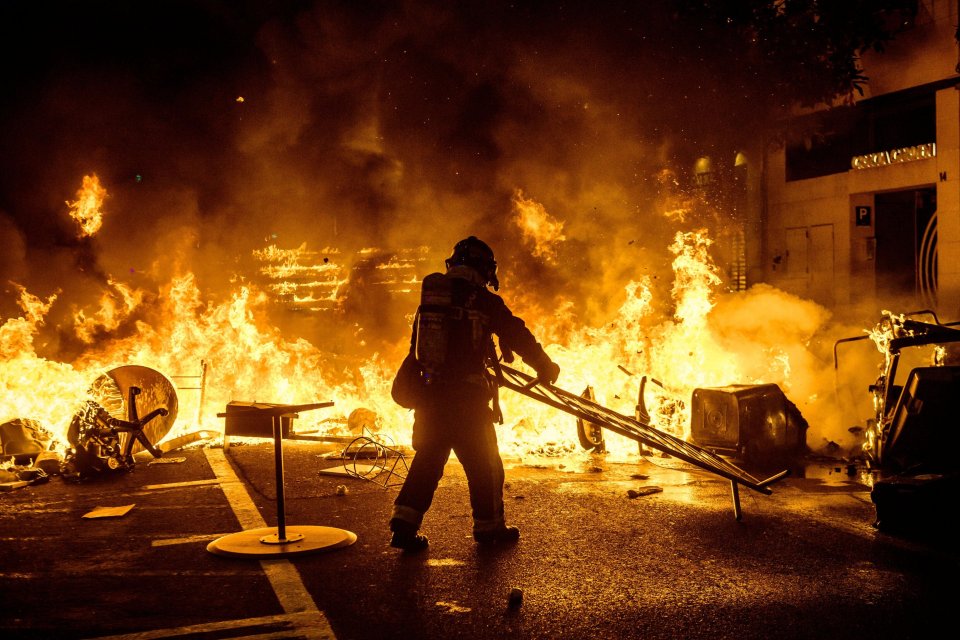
<point>177,485</point>
<point>166,542</point>
<point>307,625</point>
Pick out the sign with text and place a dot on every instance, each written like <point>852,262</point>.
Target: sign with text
<point>896,156</point>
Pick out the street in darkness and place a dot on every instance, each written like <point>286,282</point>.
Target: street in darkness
<point>592,562</point>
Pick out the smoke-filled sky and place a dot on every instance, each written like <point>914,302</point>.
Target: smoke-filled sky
<point>361,124</point>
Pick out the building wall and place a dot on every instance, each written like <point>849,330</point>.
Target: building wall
<point>812,244</point>
<point>948,200</point>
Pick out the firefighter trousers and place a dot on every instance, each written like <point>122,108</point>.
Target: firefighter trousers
<point>469,433</point>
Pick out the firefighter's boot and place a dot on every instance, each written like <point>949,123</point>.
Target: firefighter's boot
<point>405,537</point>
<point>500,535</point>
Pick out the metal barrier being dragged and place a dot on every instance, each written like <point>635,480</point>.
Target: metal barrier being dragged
<point>634,429</point>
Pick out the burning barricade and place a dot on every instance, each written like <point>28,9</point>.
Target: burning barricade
<point>128,410</point>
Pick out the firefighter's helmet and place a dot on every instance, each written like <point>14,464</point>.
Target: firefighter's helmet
<point>478,255</point>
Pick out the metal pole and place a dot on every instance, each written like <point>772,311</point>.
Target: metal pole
<point>278,464</point>
<point>203,391</point>
<point>735,491</point>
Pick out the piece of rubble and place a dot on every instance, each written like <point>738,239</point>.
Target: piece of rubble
<point>166,461</point>
<point>515,599</point>
<point>109,512</point>
<point>342,490</point>
<point>643,491</point>
<point>639,476</point>
<point>50,462</point>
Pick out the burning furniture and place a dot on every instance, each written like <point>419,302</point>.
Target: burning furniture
<point>102,442</point>
<point>912,438</point>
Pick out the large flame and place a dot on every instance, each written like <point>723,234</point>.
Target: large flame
<point>237,354</point>
<point>86,209</point>
<point>541,231</point>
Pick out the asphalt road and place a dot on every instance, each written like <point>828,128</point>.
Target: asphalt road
<point>592,562</point>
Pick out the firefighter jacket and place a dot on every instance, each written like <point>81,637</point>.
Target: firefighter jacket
<point>456,319</point>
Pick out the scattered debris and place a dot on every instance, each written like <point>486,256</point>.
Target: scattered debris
<point>516,597</point>
<point>640,476</point>
<point>180,442</point>
<point>50,461</point>
<point>17,477</point>
<point>24,439</point>
<point>109,512</point>
<point>453,607</point>
<point>445,562</point>
<point>643,491</point>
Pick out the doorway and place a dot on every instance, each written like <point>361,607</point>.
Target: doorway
<point>905,230</point>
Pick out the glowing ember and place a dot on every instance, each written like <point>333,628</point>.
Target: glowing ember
<point>86,208</point>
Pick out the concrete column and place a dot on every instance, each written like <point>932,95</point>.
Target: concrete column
<point>948,203</point>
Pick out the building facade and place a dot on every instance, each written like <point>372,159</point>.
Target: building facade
<point>860,205</point>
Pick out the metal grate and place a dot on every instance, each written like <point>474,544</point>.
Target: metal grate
<point>636,430</point>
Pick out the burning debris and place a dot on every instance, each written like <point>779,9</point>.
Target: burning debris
<point>23,439</point>
<point>95,438</point>
<point>98,441</point>
<point>911,439</point>
<point>637,429</point>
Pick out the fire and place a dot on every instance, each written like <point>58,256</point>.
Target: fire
<point>34,387</point>
<point>538,227</point>
<point>245,357</point>
<point>86,208</point>
<point>115,307</point>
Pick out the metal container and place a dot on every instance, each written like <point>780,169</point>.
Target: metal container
<point>755,422</point>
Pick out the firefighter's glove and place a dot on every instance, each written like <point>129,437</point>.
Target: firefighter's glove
<point>548,371</point>
<point>506,353</point>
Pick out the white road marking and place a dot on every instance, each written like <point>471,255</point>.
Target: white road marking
<point>166,542</point>
<point>177,485</point>
<point>283,576</point>
<point>307,625</point>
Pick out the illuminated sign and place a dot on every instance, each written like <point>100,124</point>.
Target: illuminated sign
<point>906,154</point>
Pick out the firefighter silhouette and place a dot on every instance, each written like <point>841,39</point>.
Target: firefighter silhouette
<point>452,341</point>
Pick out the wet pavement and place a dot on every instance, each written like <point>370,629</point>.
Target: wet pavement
<point>592,562</point>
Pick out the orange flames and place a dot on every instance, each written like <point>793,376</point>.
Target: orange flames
<point>248,359</point>
<point>540,230</point>
<point>86,208</point>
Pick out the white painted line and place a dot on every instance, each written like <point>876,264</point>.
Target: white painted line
<point>283,576</point>
<point>177,485</point>
<point>166,542</point>
<point>291,625</point>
